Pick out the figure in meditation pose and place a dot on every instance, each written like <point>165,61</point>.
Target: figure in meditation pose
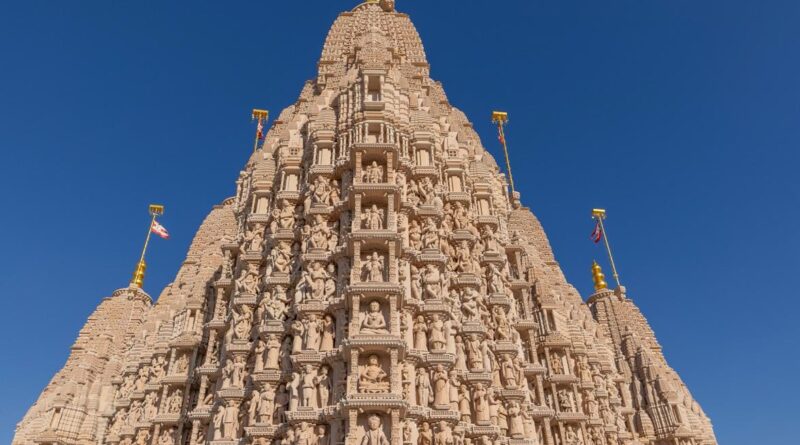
<point>373,377</point>
<point>374,322</point>
<point>374,434</point>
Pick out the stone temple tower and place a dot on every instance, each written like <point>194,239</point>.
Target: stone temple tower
<point>370,283</point>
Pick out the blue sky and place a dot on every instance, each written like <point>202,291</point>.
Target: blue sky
<point>682,118</point>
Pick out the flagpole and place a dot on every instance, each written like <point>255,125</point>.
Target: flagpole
<point>600,215</point>
<point>141,266</point>
<point>501,118</point>
<point>259,115</point>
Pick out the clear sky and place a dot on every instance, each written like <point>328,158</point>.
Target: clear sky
<point>681,117</point>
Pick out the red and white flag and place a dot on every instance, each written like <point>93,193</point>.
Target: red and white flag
<point>159,230</point>
<point>260,130</point>
<point>597,233</point>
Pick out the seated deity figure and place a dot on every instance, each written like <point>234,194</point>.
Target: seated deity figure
<point>372,378</point>
<point>374,321</point>
<point>374,434</point>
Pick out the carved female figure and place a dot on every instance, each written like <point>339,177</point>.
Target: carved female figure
<point>508,372</point>
<point>328,333</point>
<point>308,387</point>
<point>432,281</point>
<point>408,376</point>
<point>423,387</point>
<point>294,392</point>
<point>297,330</point>
<point>441,388</point>
<point>481,404</point>
<point>242,321</point>
<point>420,334</point>
<point>461,354</point>
<point>516,428</point>
<point>260,349</point>
<point>464,403</point>
<point>273,352</point>
<point>312,332</point>
<point>266,405</point>
<point>323,383</point>
<point>415,235</point>
<point>430,235</point>
<point>416,284</point>
<point>436,338</point>
<point>425,434</point>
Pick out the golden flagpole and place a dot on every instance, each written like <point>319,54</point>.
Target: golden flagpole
<point>501,119</point>
<point>599,215</point>
<point>261,116</point>
<point>138,275</point>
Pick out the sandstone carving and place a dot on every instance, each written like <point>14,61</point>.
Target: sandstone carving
<point>371,282</point>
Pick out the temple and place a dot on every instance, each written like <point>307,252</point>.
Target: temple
<point>372,282</point>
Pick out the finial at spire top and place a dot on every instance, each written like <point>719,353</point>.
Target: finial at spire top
<point>598,277</point>
<point>387,5</point>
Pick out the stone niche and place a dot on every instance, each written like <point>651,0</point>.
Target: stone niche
<point>374,267</point>
<point>373,170</point>
<point>374,373</point>
<point>374,317</point>
<point>374,214</point>
<point>374,428</point>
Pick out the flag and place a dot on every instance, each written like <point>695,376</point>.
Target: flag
<point>260,130</point>
<point>159,230</point>
<point>597,233</point>
<point>501,138</point>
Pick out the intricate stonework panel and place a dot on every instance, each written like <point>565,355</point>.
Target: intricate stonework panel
<point>370,283</point>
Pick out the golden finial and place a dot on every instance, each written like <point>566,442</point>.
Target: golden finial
<point>141,266</point>
<point>598,277</point>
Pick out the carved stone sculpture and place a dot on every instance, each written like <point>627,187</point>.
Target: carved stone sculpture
<point>373,272</point>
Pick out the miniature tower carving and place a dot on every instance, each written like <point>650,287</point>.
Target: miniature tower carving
<point>371,283</point>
